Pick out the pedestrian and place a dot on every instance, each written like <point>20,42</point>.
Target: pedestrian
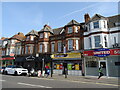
<point>48,73</point>
<point>100,72</point>
<point>29,69</point>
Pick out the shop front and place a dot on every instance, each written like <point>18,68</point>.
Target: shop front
<point>33,61</point>
<point>109,58</point>
<point>7,60</point>
<point>71,61</point>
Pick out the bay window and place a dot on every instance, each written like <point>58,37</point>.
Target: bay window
<point>70,44</point>
<point>96,24</point>
<point>97,41</point>
<point>77,44</point>
<point>70,29</point>
<point>53,47</point>
<point>41,48</point>
<point>59,46</point>
<point>41,35</point>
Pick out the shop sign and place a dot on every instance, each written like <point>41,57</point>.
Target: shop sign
<point>115,51</point>
<point>61,55</point>
<point>30,58</point>
<point>67,55</point>
<point>102,52</point>
<point>7,58</point>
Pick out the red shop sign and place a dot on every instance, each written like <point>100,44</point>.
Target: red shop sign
<point>115,52</point>
<point>112,52</point>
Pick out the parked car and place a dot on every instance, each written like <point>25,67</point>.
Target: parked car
<point>2,70</point>
<point>15,70</point>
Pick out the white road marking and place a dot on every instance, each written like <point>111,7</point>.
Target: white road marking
<point>2,80</point>
<point>33,85</point>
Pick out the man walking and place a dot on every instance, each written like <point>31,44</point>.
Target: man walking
<point>100,72</point>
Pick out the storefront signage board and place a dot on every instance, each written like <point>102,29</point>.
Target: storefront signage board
<point>110,51</point>
<point>102,52</point>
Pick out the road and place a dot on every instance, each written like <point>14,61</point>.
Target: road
<point>9,81</point>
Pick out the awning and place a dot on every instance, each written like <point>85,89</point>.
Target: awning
<point>7,58</point>
<point>19,59</point>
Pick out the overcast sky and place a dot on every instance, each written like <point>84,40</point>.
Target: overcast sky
<point>25,16</point>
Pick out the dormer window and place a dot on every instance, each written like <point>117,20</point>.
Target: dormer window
<point>41,35</point>
<point>96,24</point>
<point>70,29</point>
<point>27,38</point>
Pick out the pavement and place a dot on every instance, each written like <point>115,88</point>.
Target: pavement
<point>114,81</point>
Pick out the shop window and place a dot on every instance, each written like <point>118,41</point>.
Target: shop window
<point>117,63</point>
<point>91,64</point>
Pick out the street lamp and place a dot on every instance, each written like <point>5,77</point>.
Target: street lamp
<point>42,65</point>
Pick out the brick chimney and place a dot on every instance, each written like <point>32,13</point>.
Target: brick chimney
<point>86,17</point>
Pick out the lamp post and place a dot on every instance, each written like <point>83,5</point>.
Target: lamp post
<point>51,67</point>
<point>42,65</point>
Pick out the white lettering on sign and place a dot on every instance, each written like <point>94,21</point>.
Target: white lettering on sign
<point>117,52</point>
<point>101,52</point>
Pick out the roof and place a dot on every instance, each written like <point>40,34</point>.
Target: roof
<point>97,17</point>
<point>72,22</point>
<point>33,32</point>
<point>19,36</point>
<point>112,20</point>
<point>57,31</point>
<point>46,28</point>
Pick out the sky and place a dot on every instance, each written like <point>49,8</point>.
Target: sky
<point>26,16</point>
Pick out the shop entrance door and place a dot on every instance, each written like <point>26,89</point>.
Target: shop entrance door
<point>103,62</point>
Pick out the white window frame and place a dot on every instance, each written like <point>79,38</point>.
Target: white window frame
<point>46,35</point>
<point>59,46</point>
<point>76,29</point>
<point>105,39</point>
<point>90,42</point>
<point>97,42</point>
<point>41,48</point>
<point>77,44</point>
<point>52,47</point>
<point>70,44</point>
<point>31,49</point>
<point>26,49</point>
<point>46,46</point>
<point>70,29</point>
<point>96,24</point>
<point>32,38</point>
<point>41,35</point>
<point>104,22</point>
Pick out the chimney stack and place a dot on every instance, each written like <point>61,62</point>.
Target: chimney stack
<point>86,17</point>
